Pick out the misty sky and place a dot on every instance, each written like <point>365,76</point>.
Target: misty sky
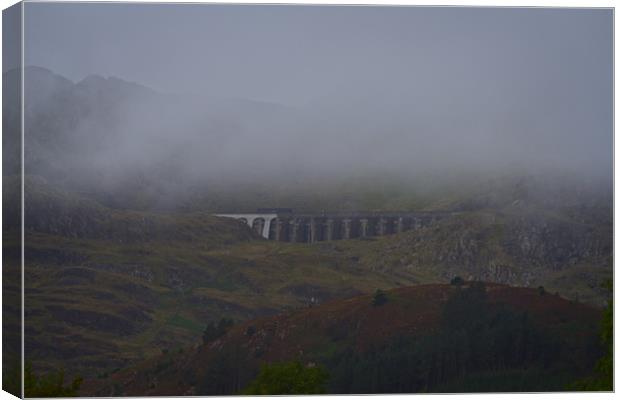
<point>295,54</point>
<point>487,83</point>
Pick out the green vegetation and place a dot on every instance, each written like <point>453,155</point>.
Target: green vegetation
<point>603,378</point>
<point>213,331</point>
<point>288,378</point>
<point>12,376</point>
<point>50,385</point>
<point>379,298</point>
<point>457,281</point>
<point>184,323</point>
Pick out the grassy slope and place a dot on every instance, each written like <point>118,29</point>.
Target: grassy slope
<point>166,295</point>
<point>312,334</point>
<point>160,294</point>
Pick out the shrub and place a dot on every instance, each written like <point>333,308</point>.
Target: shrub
<point>602,378</point>
<point>288,378</point>
<point>250,331</point>
<point>457,281</point>
<point>50,385</point>
<point>213,331</point>
<point>379,298</point>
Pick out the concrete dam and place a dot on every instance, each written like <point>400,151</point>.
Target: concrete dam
<point>287,226</point>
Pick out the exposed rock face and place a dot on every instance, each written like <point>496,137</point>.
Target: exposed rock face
<point>555,244</point>
<point>512,248</point>
<point>531,231</point>
<point>535,243</point>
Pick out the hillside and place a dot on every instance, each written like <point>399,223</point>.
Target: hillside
<point>53,211</point>
<point>533,333</point>
<point>108,287</point>
<point>522,247</point>
<point>105,287</point>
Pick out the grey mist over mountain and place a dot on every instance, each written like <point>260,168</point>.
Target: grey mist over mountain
<point>164,100</point>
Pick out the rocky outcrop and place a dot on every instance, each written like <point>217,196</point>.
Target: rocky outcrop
<point>509,246</point>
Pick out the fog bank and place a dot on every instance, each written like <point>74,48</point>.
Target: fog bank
<point>197,94</point>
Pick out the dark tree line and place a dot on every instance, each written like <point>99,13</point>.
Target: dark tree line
<point>602,378</point>
<point>476,341</point>
<point>214,331</point>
